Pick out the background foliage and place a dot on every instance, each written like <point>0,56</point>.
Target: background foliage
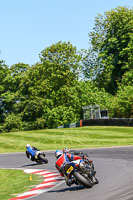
<point>52,92</point>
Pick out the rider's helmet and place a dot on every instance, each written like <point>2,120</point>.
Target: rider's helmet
<point>58,153</point>
<point>27,145</point>
<point>66,150</point>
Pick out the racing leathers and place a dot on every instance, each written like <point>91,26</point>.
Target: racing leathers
<point>31,152</point>
<point>62,161</point>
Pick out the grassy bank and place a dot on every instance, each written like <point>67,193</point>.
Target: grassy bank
<point>13,182</point>
<point>51,139</point>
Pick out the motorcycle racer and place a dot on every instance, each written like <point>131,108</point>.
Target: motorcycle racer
<point>31,152</point>
<point>85,158</point>
<point>62,159</point>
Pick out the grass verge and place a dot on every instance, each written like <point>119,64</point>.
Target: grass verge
<point>14,182</point>
<point>51,139</point>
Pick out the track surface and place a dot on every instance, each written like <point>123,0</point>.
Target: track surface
<point>114,168</point>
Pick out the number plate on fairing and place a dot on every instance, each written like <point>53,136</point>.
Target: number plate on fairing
<point>70,169</point>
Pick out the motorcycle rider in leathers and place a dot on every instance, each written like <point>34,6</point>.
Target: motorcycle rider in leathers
<point>62,159</point>
<point>31,152</point>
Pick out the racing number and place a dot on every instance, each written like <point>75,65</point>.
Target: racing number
<point>70,169</point>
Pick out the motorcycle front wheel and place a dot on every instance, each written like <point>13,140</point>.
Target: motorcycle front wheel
<point>82,180</point>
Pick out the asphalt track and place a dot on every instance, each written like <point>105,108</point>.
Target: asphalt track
<point>114,168</point>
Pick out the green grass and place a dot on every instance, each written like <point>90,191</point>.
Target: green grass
<point>14,182</point>
<point>52,139</point>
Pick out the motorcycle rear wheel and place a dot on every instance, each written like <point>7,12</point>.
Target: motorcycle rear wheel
<point>45,160</point>
<point>82,180</point>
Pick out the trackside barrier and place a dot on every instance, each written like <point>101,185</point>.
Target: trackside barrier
<point>72,125</point>
<point>81,123</point>
<point>60,127</point>
<point>109,122</point>
<point>101,122</point>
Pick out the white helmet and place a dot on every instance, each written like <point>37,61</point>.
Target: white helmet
<point>58,153</point>
<point>27,145</point>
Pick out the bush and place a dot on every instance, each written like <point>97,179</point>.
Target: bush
<point>40,123</point>
<point>123,104</point>
<point>59,116</point>
<point>12,123</point>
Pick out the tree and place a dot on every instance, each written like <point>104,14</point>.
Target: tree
<point>3,73</point>
<point>11,82</point>
<point>122,102</point>
<point>111,52</point>
<point>127,79</point>
<point>62,64</point>
<point>12,123</point>
<point>91,95</point>
<point>16,73</point>
<point>51,84</point>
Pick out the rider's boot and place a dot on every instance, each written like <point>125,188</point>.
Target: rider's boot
<point>70,181</point>
<point>93,172</point>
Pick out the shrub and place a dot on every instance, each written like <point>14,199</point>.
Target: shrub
<point>12,123</point>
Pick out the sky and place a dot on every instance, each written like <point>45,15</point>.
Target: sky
<point>29,26</point>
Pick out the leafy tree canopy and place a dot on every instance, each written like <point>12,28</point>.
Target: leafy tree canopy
<point>50,83</point>
<point>111,52</point>
<point>62,55</point>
